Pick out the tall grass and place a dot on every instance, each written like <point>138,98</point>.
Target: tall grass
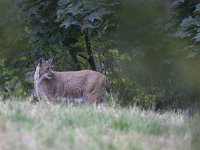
<point>44,126</point>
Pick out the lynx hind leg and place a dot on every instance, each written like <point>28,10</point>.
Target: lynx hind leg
<point>79,101</point>
<point>91,98</point>
<point>72,100</point>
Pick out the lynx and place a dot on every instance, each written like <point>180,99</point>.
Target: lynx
<point>52,86</point>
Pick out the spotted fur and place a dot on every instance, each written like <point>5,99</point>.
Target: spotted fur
<point>52,86</point>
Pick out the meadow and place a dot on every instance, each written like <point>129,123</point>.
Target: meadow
<point>40,126</point>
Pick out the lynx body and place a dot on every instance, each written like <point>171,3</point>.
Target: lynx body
<point>52,86</point>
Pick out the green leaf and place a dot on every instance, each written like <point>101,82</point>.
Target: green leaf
<point>67,22</point>
<point>197,37</point>
<point>197,10</point>
<point>63,2</point>
<point>73,9</point>
<point>98,14</point>
<point>33,10</point>
<point>187,23</point>
<point>23,58</point>
<point>190,22</point>
<point>182,34</point>
<point>60,12</point>
<point>87,25</point>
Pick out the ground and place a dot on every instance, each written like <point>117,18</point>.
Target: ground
<point>43,126</point>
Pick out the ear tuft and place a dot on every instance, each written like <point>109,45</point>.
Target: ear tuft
<point>51,60</point>
<point>43,61</point>
<point>40,63</point>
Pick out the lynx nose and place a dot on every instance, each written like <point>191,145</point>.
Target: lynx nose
<point>50,75</point>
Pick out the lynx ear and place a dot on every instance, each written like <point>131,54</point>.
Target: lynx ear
<point>43,61</point>
<point>40,62</point>
<point>51,60</point>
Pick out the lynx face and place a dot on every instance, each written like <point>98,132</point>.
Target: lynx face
<point>46,69</point>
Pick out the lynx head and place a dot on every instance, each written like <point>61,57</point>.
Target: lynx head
<point>45,69</point>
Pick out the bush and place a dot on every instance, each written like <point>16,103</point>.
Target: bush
<point>11,82</point>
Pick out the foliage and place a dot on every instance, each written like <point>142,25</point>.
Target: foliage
<point>10,85</point>
<point>13,39</point>
<point>151,59</point>
<point>188,21</point>
<point>148,101</point>
<point>86,14</point>
<point>57,27</point>
<point>13,42</point>
<point>163,71</point>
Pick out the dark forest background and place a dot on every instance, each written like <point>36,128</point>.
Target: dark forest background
<point>149,49</point>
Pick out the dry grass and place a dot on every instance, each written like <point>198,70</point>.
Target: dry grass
<point>43,126</point>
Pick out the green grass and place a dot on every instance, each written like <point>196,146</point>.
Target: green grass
<point>42,126</point>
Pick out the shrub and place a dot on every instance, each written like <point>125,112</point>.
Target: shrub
<point>10,82</point>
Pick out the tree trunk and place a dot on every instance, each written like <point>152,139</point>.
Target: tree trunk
<point>76,62</point>
<point>89,51</point>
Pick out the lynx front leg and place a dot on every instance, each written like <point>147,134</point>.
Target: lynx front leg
<point>91,98</point>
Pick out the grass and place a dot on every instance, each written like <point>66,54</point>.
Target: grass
<point>42,126</point>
